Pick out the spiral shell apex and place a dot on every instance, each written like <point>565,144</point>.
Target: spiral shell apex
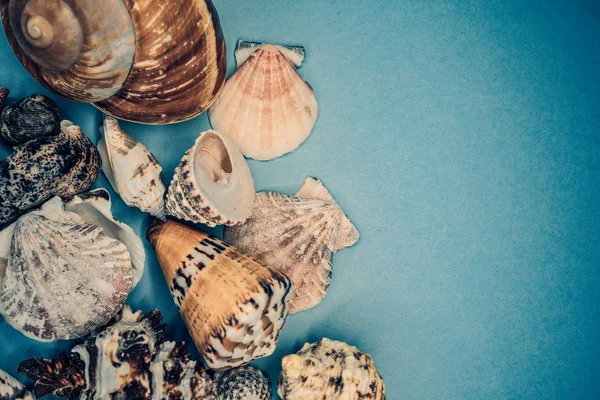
<point>29,118</point>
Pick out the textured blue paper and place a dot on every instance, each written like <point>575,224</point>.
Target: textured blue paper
<point>462,138</point>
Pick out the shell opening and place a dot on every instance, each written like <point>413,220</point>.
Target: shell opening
<point>213,158</point>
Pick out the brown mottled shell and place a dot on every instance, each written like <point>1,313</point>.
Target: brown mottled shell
<point>233,306</point>
<point>137,60</point>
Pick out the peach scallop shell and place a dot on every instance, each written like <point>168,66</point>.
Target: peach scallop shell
<point>266,108</point>
<point>212,185</point>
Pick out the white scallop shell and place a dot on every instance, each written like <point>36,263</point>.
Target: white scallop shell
<point>132,170</point>
<point>12,389</point>
<point>64,277</point>
<point>212,184</point>
<point>265,107</point>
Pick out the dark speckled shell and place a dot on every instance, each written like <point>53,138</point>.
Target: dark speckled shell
<point>29,118</point>
<point>61,165</point>
<point>243,383</point>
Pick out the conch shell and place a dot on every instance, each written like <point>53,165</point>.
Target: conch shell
<point>330,370</point>
<point>61,165</point>
<point>298,237</point>
<point>266,108</point>
<point>127,360</point>
<point>233,306</point>
<point>64,277</point>
<point>29,118</point>
<point>133,172</point>
<point>12,389</point>
<point>246,382</point>
<point>212,185</point>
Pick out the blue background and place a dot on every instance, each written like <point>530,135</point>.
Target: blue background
<point>462,138</point>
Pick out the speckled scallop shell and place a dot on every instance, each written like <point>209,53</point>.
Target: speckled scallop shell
<point>233,306</point>
<point>212,184</point>
<point>298,237</point>
<point>94,207</point>
<point>243,383</point>
<point>29,118</point>
<point>61,165</point>
<point>12,389</point>
<point>127,360</point>
<point>64,277</point>
<point>266,108</point>
<point>132,170</point>
<point>4,92</point>
<point>331,370</point>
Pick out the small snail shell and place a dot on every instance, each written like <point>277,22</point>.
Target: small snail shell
<point>137,60</point>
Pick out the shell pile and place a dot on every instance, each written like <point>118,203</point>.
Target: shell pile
<point>127,360</point>
<point>29,118</point>
<point>243,383</point>
<point>48,166</point>
<point>131,169</point>
<point>64,277</point>
<point>212,185</point>
<point>233,306</point>
<point>297,236</point>
<point>266,108</point>
<point>12,389</point>
<point>331,370</point>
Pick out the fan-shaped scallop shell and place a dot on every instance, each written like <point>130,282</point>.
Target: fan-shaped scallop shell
<point>131,169</point>
<point>64,278</point>
<point>233,306</point>
<point>266,108</point>
<point>331,370</point>
<point>298,237</point>
<point>247,383</point>
<point>212,185</point>
<point>48,166</point>
<point>29,118</point>
<point>12,389</point>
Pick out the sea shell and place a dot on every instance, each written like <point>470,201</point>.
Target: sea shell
<point>330,370</point>
<point>298,237</point>
<point>212,185</point>
<point>94,207</point>
<point>247,383</point>
<point>128,360</point>
<point>266,108</point>
<point>133,172</point>
<point>48,166</point>
<point>233,306</point>
<point>4,92</point>
<point>29,118</point>
<point>64,277</point>
<point>12,389</point>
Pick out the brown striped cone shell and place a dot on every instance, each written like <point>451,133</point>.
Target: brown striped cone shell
<point>132,170</point>
<point>137,60</point>
<point>64,277</point>
<point>212,184</point>
<point>12,389</point>
<point>233,306</point>
<point>266,108</point>
<point>297,236</point>
<point>3,96</point>
<point>332,370</point>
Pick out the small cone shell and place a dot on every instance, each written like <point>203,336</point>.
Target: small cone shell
<point>3,95</point>
<point>233,306</point>
<point>266,108</point>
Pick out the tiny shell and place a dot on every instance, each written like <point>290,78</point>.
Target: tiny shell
<point>331,370</point>
<point>29,118</point>
<point>127,360</point>
<point>297,236</point>
<point>64,278</point>
<point>132,170</point>
<point>12,389</point>
<point>233,306</point>
<point>48,166</point>
<point>212,185</point>
<point>247,383</point>
<point>266,108</point>
<point>4,92</point>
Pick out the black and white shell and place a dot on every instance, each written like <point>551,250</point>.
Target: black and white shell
<point>29,118</point>
<point>61,165</point>
<point>12,389</point>
<point>243,383</point>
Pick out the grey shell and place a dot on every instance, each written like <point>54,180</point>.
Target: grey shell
<point>12,389</point>
<point>29,118</point>
<point>243,383</point>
